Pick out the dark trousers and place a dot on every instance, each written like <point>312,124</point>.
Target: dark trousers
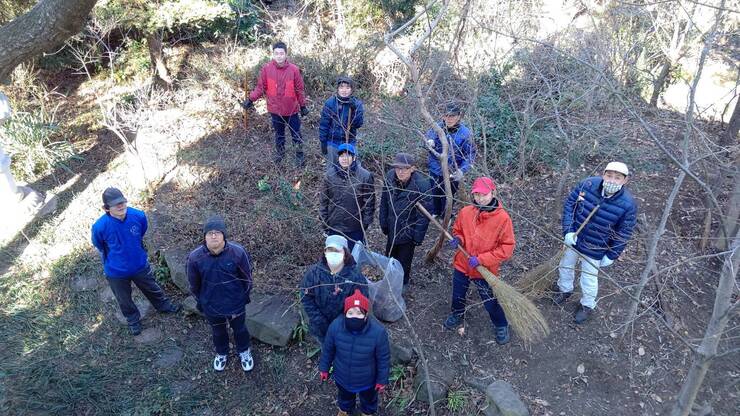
<point>220,330</point>
<point>294,124</point>
<point>460,284</point>
<point>368,400</point>
<point>144,280</point>
<point>404,253</point>
<point>439,198</point>
<point>351,236</point>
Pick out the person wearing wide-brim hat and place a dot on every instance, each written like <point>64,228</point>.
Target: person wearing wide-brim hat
<point>603,237</point>
<point>119,237</point>
<point>486,232</point>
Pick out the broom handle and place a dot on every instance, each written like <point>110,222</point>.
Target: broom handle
<point>590,214</point>
<point>438,225</point>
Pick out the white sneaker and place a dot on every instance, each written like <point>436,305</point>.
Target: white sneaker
<point>219,363</point>
<point>247,361</point>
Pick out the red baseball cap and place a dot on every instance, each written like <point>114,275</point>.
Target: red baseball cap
<point>357,300</point>
<point>483,185</point>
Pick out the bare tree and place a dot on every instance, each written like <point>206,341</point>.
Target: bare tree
<point>41,29</point>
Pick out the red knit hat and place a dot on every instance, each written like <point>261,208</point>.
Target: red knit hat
<point>357,300</point>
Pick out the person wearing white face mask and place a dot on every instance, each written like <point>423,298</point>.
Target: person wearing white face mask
<point>328,283</point>
<point>602,238</point>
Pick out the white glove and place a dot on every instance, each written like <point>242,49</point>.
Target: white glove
<point>605,261</point>
<point>457,176</point>
<point>430,144</point>
<point>570,239</point>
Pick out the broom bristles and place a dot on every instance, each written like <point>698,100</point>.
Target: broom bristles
<point>522,314</point>
<point>536,282</point>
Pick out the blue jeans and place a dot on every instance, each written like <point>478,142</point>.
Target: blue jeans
<point>460,284</point>
<point>294,124</point>
<point>439,199</point>
<point>144,280</point>
<point>351,236</point>
<point>368,400</point>
<point>219,328</point>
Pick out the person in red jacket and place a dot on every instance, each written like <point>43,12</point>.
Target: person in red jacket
<point>281,82</point>
<point>486,232</point>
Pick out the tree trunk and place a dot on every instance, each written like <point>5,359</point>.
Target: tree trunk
<point>729,137</point>
<point>659,82</point>
<point>730,223</point>
<point>708,348</point>
<point>41,29</point>
<point>161,75</point>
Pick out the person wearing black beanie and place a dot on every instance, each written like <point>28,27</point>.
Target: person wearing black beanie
<point>342,115</point>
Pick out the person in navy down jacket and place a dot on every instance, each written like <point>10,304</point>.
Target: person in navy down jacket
<point>342,115</point>
<point>328,283</point>
<point>602,239</point>
<point>460,155</point>
<point>220,276</point>
<point>281,82</point>
<point>357,345</point>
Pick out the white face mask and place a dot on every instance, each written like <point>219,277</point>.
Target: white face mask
<point>611,187</point>
<point>334,259</point>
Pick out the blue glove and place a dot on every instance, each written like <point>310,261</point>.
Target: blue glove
<point>454,243</point>
<point>247,104</point>
<point>473,261</point>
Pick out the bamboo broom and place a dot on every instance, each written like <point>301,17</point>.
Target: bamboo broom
<point>522,314</point>
<point>537,281</point>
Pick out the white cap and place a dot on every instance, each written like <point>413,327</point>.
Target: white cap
<point>336,241</point>
<point>618,167</point>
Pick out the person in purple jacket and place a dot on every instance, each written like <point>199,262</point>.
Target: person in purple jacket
<point>220,276</point>
<point>118,236</point>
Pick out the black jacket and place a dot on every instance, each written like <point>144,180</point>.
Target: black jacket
<point>399,219</point>
<point>220,283</point>
<point>347,197</point>
<point>323,294</point>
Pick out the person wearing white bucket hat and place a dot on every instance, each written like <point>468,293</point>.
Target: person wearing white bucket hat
<point>603,237</point>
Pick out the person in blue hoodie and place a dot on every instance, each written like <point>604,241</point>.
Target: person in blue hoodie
<point>118,235</point>
<point>603,237</point>
<point>357,346</point>
<point>220,276</point>
<point>460,155</point>
<point>342,115</point>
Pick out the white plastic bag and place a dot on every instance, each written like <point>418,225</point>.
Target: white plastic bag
<point>385,294</point>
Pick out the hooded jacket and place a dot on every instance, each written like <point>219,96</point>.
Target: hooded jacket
<point>334,117</point>
<point>347,197</point>
<point>283,86</point>
<point>488,235</point>
<point>461,149</point>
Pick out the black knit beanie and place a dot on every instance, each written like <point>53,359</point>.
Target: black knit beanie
<point>215,223</point>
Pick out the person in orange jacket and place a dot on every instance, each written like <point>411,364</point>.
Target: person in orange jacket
<point>486,232</point>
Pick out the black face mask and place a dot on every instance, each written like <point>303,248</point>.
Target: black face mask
<point>355,324</point>
<point>490,207</point>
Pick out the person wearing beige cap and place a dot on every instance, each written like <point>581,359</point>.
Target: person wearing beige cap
<point>603,237</point>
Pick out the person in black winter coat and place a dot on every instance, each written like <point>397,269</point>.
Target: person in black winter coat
<point>328,283</point>
<point>358,348</point>
<point>220,276</point>
<point>399,218</point>
<point>347,201</point>
<point>342,115</point>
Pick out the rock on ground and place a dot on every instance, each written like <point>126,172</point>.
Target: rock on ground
<point>401,354</point>
<point>190,306</point>
<point>271,319</point>
<point>169,358</point>
<point>149,336</point>
<point>441,376</point>
<point>84,283</point>
<point>504,401</point>
<point>106,295</point>
<point>176,260</point>
<point>144,308</point>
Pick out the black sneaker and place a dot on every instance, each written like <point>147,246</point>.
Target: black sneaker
<point>453,321</point>
<point>561,297</point>
<point>172,308</point>
<point>583,313</point>
<point>135,329</point>
<point>502,334</point>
